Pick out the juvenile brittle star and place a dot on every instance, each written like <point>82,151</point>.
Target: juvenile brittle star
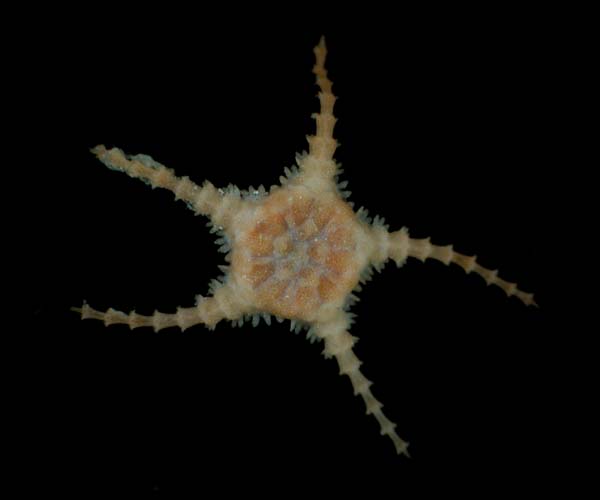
<point>296,251</point>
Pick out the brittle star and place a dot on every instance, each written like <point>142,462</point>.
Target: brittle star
<point>297,251</point>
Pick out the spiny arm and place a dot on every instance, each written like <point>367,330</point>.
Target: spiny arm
<point>204,200</point>
<point>399,246</point>
<point>208,311</point>
<point>319,161</point>
<point>338,343</point>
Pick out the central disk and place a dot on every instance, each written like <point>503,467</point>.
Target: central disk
<point>299,254</point>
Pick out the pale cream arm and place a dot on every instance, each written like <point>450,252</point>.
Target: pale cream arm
<point>338,344</point>
<point>208,311</point>
<point>398,246</point>
<point>203,200</point>
<point>319,162</point>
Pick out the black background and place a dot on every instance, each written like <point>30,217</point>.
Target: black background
<point>446,125</point>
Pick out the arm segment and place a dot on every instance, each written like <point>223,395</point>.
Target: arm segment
<point>398,246</point>
<point>338,343</point>
<point>208,311</point>
<point>205,200</point>
<point>322,145</point>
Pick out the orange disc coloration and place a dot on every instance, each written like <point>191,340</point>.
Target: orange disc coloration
<point>299,255</point>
